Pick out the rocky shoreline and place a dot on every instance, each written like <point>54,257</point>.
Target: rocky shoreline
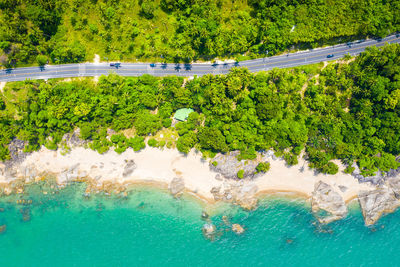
<point>327,201</point>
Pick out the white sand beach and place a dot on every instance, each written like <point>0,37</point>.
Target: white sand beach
<point>161,166</point>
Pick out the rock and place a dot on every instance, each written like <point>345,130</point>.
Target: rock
<point>343,188</point>
<point>209,230</point>
<point>225,220</point>
<point>356,169</point>
<point>129,168</point>
<point>204,215</point>
<point>394,184</point>
<point>26,214</point>
<point>218,177</point>
<point>3,228</point>
<point>1,209</point>
<point>177,186</point>
<point>237,228</point>
<point>325,198</point>
<point>376,202</point>
<point>289,241</point>
<point>228,165</point>
<point>242,194</point>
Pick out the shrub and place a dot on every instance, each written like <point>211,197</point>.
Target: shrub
<point>349,170</point>
<point>263,167</point>
<point>137,143</point>
<point>167,122</point>
<point>152,142</point>
<point>330,168</point>
<point>240,174</point>
<point>290,159</point>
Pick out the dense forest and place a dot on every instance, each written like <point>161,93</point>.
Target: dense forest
<point>348,111</point>
<point>62,31</point>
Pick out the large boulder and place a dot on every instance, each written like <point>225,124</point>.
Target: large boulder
<point>176,186</point>
<point>326,199</point>
<point>228,165</point>
<point>237,228</point>
<point>209,231</point>
<point>243,194</point>
<point>376,202</point>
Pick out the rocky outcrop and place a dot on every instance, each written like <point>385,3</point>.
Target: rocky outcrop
<point>3,228</point>
<point>129,168</point>
<point>17,154</point>
<point>385,199</point>
<point>237,228</point>
<point>238,193</point>
<point>176,186</point>
<point>326,199</point>
<point>204,215</point>
<point>73,139</point>
<point>209,231</point>
<point>228,165</point>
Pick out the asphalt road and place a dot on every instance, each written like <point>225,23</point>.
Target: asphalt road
<point>159,69</point>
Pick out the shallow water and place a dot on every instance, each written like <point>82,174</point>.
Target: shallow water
<point>150,228</point>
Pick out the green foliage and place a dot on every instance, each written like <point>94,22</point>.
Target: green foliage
<point>41,60</point>
<point>350,112</point>
<point>290,159</point>
<point>186,142</point>
<point>349,170</point>
<point>240,174</point>
<point>263,167</point>
<point>152,142</point>
<point>147,123</point>
<point>166,122</point>
<point>330,168</point>
<point>2,104</point>
<point>72,31</point>
<point>212,139</point>
<point>137,143</point>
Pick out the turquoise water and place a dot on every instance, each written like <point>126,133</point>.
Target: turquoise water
<point>150,228</point>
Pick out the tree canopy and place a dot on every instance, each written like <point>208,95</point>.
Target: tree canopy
<point>184,30</point>
<point>346,111</point>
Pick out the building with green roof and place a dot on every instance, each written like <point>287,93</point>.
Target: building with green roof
<point>182,114</point>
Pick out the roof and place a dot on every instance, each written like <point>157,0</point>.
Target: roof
<point>183,113</point>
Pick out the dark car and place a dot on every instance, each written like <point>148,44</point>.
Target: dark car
<point>153,65</point>
<point>379,39</point>
<point>349,44</point>
<point>330,55</point>
<point>116,65</point>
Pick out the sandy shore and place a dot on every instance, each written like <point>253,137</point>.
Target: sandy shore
<point>161,166</point>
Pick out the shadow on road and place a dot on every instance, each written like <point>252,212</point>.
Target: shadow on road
<point>178,67</point>
<point>188,66</point>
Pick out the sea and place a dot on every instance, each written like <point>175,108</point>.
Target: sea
<point>149,227</point>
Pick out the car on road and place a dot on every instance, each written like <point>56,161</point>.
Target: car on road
<point>116,65</point>
<point>349,44</point>
<point>153,65</point>
<point>330,55</point>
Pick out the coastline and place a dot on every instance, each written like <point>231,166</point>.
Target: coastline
<point>156,167</point>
